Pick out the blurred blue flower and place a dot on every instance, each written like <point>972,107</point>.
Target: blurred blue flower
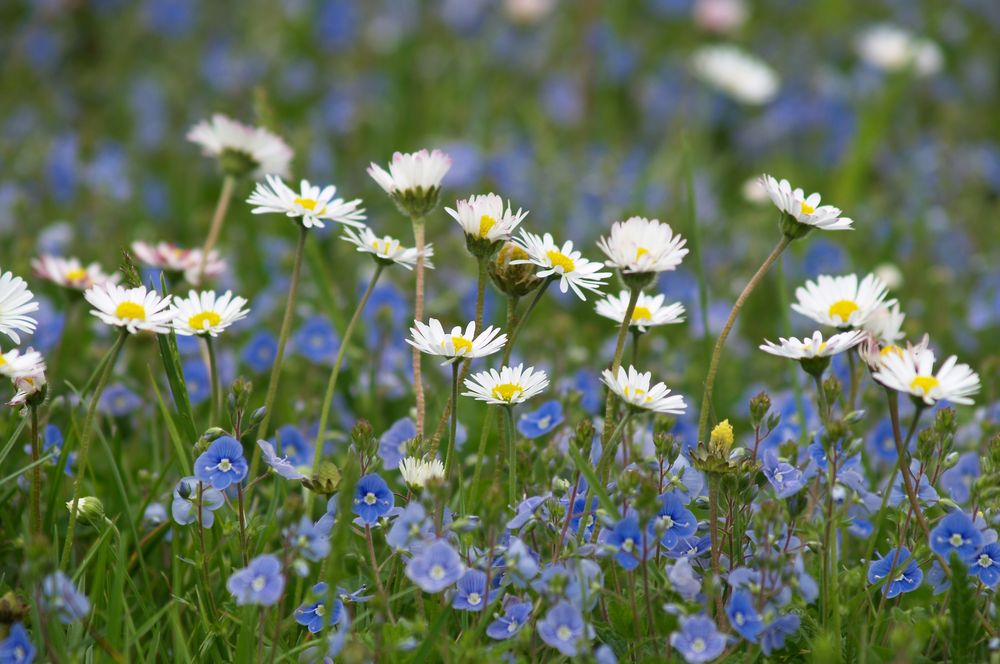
<point>773,636</point>
<point>310,540</point>
<point>958,479</point>
<point>392,446</point>
<point>743,616</point>
<point>516,614</point>
<point>118,401</point>
<point>198,381</point>
<point>698,640</point>
<point>222,463</point>
<point>316,341</point>
<point>629,542</point>
<point>314,616</point>
<point>261,582</point>
<point>541,421</point>
<point>409,527</point>
<point>281,465</point>
<point>294,445</point>
<point>185,502</point>
<point>436,567</point>
<point>562,628</point>
<point>17,647</point>
<point>259,353</point>
<point>985,564</point>
<point>61,598</point>
<point>673,521</point>
<point>786,479</point>
<point>956,533</point>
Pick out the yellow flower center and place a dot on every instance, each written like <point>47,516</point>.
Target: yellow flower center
<point>641,313</point>
<point>486,222</point>
<point>461,344</point>
<point>640,252</point>
<point>79,274</point>
<point>131,310</point>
<point>843,309</point>
<point>3,360</point>
<point>891,348</point>
<point>807,209</point>
<point>924,384</point>
<point>561,260</point>
<point>204,320</point>
<point>308,203</point>
<point>506,391</point>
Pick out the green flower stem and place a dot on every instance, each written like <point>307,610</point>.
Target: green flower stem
<point>616,362</point>
<point>511,457</point>
<point>831,600</point>
<point>449,455</point>
<point>713,531</point>
<point>213,368</point>
<point>286,330</point>
<point>418,314</point>
<point>204,548</point>
<point>513,332</point>
<point>243,524</point>
<point>607,448</point>
<point>85,435</point>
<point>903,453</point>
<point>218,217</point>
<point>331,384</point>
<point>36,474</point>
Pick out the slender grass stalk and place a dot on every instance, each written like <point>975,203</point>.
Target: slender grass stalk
<point>512,334</point>
<point>36,473</point>
<point>218,217</point>
<point>243,524</point>
<point>85,436</point>
<point>418,314</point>
<point>449,456</point>
<point>213,368</point>
<point>511,457</point>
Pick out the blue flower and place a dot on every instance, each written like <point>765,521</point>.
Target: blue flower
<point>436,567</point>
<point>773,636</point>
<point>316,341</point>
<point>520,561</point>
<point>698,640</point>
<point>743,616</point>
<point>628,540</point>
<point>259,353</point>
<point>53,444</point>
<point>562,628</point>
<point>261,582</point>
<point>310,540</point>
<point>516,614</point>
<point>184,506</point>
<point>294,445</point>
<point>786,479</point>
<point>470,592</point>
<point>683,479</point>
<point>883,441</point>
<point>526,511</point>
<point>118,401</point>
<point>17,647</point>
<point>589,386</point>
<point>958,479</point>
<point>985,564</point>
<point>197,380</point>
<point>542,421</point>
<point>222,464</point>
<point>392,446</point>
<point>281,465</point>
<point>412,525</point>
<point>684,579</point>
<point>314,616</point>
<point>60,597</point>
<point>906,576</point>
<point>673,521</point>
<point>372,499</point>
<point>956,533</point>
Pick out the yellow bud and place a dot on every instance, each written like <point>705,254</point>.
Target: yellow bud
<point>721,440</point>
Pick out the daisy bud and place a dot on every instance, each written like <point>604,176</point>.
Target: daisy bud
<point>513,280</point>
<point>89,509</point>
<point>721,440</point>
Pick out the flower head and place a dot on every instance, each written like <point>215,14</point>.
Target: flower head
<point>649,310</point>
<point>222,463</point>
<point>912,371</point>
<point>413,180</point>
<point>698,640</point>
<point>562,628</point>
<point>386,249</point>
<point>15,364</point>
<point>640,245</point>
<point>906,576</point>
<point>15,304</point>
<point>891,48</point>
<point>61,598</point>
<point>281,465</point>
<point>311,205</point>
<point>185,506</point>
<point>17,647</point>
<point>628,541</point>
<point>740,75</point>
<point>509,386</point>
<point>841,302</point>
<point>743,616</point>
<point>471,592</point>
<point>169,257</point>
<point>430,338</point>
<point>372,499</point>
<point>633,388</point>
<point>802,213</point>
<point>261,582</point>
<point>436,567</point>
<point>206,313</point>
<point>562,262</point>
<point>545,419</point>
<point>241,149</point>
<point>134,309</point>
<point>31,388</point>
<point>956,533</point>
<point>486,221</point>
<point>985,564</point>
<point>516,614</point>
<point>70,272</point>
<point>813,353</point>
<point>418,472</point>
<point>314,616</point>
<point>672,521</point>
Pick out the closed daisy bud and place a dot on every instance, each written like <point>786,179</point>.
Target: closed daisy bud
<point>514,279</point>
<point>721,440</point>
<point>89,509</point>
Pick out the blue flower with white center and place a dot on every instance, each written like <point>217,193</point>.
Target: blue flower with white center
<point>394,443</point>
<point>743,616</point>
<point>118,401</point>
<point>436,567</point>
<point>185,504</point>
<point>922,486</point>
<point>684,579</point>
<point>61,598</point>
<point>17,647</point>
<point>261,582</point>
<point>786,479</point>
<point>516,614</point>
<point>673,521</point>
<point>541,421</point>
<point>259,353</point>
<point>520,561</point>
<point>627,539</point>
<point>470,592</point>
<point>698,640</point>
<point>409,527</point>
<point>684,480</point>
<point>882,440</point>
<point>197,380</point>
<point>316,341</point>
<point>372,499</point>
<point>958,479</point>
<point>310,540</point>
<point>956,533</point>
<point>773,636</point>
<point>576,581</point>
<point>906,576</point>
<point>222,463</point>
<point>314,616</point>
<point>294,445</point>
<point>281,465</point>
<point>691,546</point>
<point>603,654</point>
<point>562,628</point>
<point>985,564</point>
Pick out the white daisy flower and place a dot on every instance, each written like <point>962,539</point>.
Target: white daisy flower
<point>486,218</point>
<point>642,245</point>
<point>649,310</point>
<point>886,323</point>
<point>633,388</point>
<point>568,265</point>
<point>15,305</point>
<point>740,75</point>
<point>509,386</point>
<point>841,301</point>
<point>206,313</point>
<point>241,148</point>
<point>70,272</point>
<point>813,347</point>
<point>311,205</point>
<point>27,387</point>
<point>386,249</point>
<point>806,210</point>
<point>134,309</point>
<point>912,371</point>
<point>169,257</point>
<point>873,351</point>
<point>420,171</point>
<point>431,338</point>
<point>418,472</point>
<point>891,48</point>
<point>15,364</point>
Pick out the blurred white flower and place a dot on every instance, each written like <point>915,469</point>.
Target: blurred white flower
<point>723,16</point>
<point>15,364</point>
<point>169,257</point>
<point>16,302</point>
<point>240,148</point>
<point>70,272</point>
<point>418,472</point>
<point>736,73</point>
<point>815,346</point>
<point>421,170</point>
<point>892,49</point>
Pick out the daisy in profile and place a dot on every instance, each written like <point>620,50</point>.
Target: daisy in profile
<point>912,371</point>
<point>15,304</point>
<point>431,339</point>
<point>386,250</point>
<point>241,149</point>
<point>413,180</point>
<point>15,364</point>
<point>134,309</point>
<point>29,388</point>
<point>640,245</point>
<point>206,313</point>
<point>886,323</point>
<point>841,301</point>
<point>311,205</point>
<point>633,388</point>
<point>649,310</point>
<point>176,260</point>
<point>70,272</point>
<point>486,221</point>
<point>509,386</point>
<point>813,352</point>
<point>573,270</point>
<point>802,213</point>
<point>418,472</point>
